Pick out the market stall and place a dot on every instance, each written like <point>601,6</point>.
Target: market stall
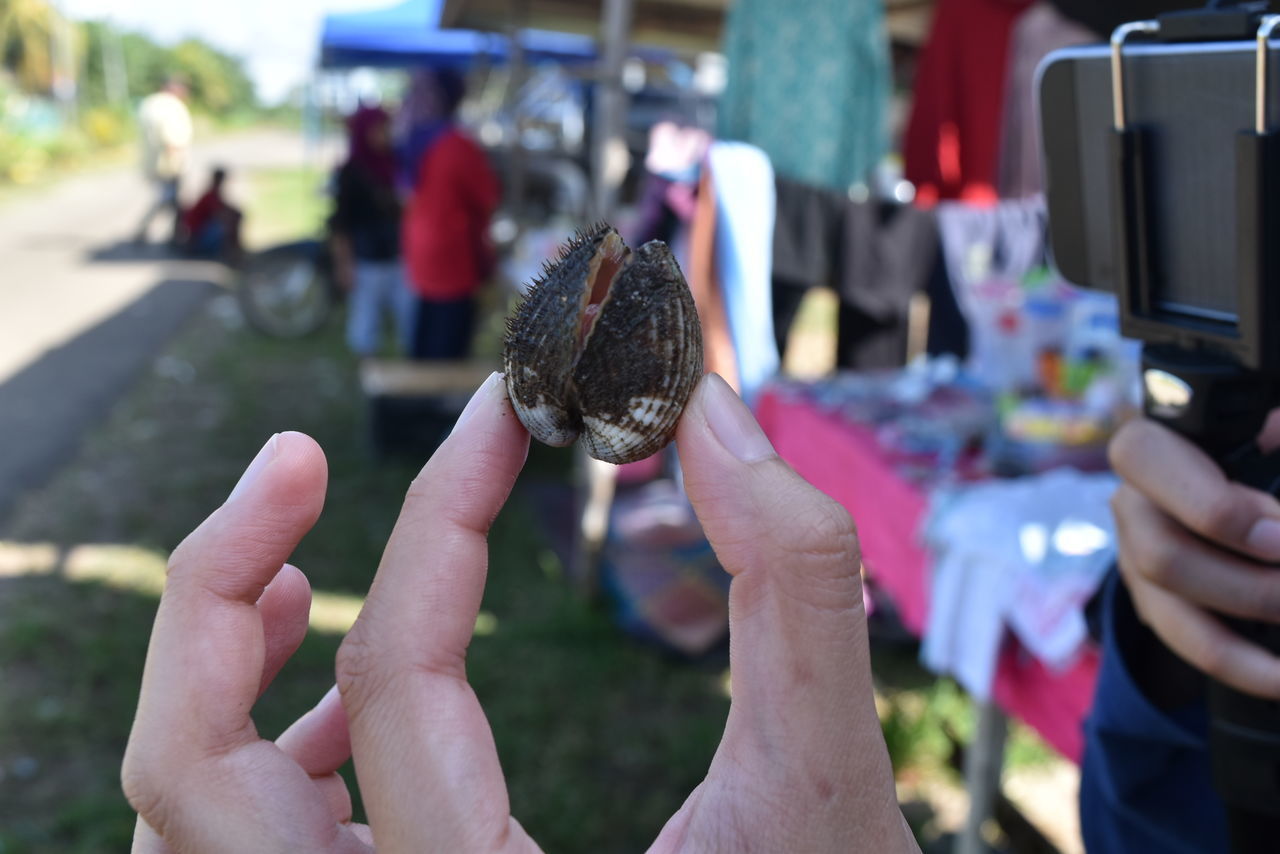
<point>844,459</point>
<point>409,34</point>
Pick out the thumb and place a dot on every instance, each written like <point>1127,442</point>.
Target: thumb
<point>803,716</point>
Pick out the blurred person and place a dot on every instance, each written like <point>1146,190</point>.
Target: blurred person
<point>802,765</point>
<point>165,125</point>
<point>1192,545</point>
<point>211,227</point>
<point>452,194</point>
<point>365,229</point>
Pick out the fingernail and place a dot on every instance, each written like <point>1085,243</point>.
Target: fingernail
<point>260,462</point>
<point>482,393</point>
<point>1264,539</point>
<point>732,422</point>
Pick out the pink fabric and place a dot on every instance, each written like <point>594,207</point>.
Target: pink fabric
<point>1051,703</point>
<point>844,461</point>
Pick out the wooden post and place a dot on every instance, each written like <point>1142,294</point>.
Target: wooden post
<point>517,71</point>
<point>983,763</point>
<point>609,136</point>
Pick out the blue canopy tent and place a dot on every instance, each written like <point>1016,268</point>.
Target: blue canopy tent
<point>408,34</point>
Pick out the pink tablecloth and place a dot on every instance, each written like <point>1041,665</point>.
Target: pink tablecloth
<point>845,462</point>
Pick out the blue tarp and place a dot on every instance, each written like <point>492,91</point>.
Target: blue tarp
<point>409,34</point>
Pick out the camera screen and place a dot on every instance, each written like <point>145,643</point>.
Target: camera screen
<point>1192,100</point>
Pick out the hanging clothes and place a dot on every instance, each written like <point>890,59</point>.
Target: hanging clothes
<point>889,253</point>
<point>1005,240</point>
<point>742,180</point>
<point>809,83</point>
<point>807,239</point>
<point>1039,32</point>
<point>981,248</point>
<point>808,232</point>
<point>717,343</point>
<point>949,332</point>
<point>655,217</point>
<point>876,255</point>
<point>672,168</point>
<point>953,135</point>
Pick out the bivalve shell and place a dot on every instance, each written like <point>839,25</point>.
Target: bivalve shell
<point>607,346</point>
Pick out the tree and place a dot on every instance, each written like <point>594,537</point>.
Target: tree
<point>27,30</point>
<point>218,82</point>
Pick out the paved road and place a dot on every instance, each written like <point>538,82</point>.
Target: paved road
<point>82,311</point>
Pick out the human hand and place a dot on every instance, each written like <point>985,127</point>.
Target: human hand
<point>1194,544</point>
<point>802,765</point>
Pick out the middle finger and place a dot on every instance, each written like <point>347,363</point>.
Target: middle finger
<point>424,754</point>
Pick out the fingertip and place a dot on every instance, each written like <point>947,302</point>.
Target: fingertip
<point>320,740</point>
<point>487,441</point>
<point>285,608</point>
<point>243,544</point>
<point>301,462</point>
<point>283,593</point>
<point>290,575</point>
<point>1131,435</point>
<point>716,413</point>
<point>290,470</point>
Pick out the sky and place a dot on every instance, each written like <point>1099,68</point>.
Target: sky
<point>277,38</point>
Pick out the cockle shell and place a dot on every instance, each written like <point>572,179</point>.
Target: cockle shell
<point>607,346</point>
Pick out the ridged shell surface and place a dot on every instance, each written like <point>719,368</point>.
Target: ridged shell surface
<point>623,386</point>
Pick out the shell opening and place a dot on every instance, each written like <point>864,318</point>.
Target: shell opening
<point>609,261</point>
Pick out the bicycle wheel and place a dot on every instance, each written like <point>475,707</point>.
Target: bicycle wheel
<point>287,291</point>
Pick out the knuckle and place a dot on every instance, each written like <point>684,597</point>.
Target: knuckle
<point>1266,597</point>
<point>826,533</point>
<point>1159,560</point>
<point>145,794</point>
<point>1220,516</point>
<point>455,506</point>
<point>179,559</point>
<point>419,491</point>
<point>1211,656</point>
<point>358,670</point>
<point>1140,605</point>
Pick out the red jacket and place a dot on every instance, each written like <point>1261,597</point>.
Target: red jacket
<point>951,147</point>
<point>445,230</point>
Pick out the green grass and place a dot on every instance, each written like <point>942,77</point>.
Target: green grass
<point>287,204</point>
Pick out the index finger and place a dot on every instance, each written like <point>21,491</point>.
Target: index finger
<point>207,650</point>
<point>195,769</point>
<point>423,751</point>
<point>1185,483</point>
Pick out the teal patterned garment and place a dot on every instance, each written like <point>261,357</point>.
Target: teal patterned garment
<point>809,83</point>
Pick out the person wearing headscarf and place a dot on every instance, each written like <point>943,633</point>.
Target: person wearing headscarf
<point>366,234</point>
<point>452,192</point>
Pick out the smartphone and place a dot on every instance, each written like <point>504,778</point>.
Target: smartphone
<point>1192,99</point>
